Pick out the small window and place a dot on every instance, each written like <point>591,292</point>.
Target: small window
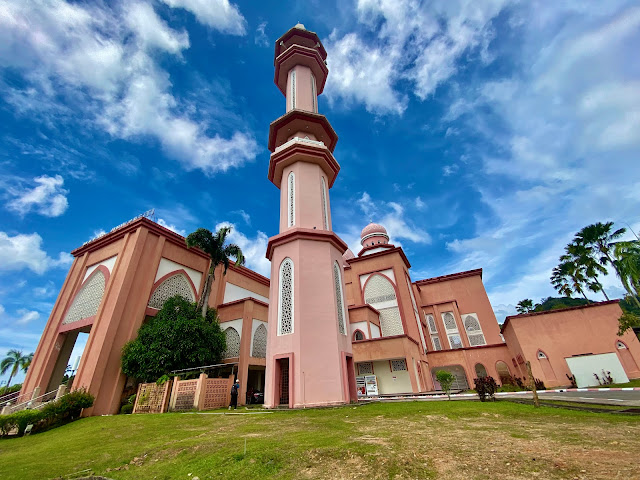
<point>365,368</point>
<point>358,335</point>
<point>398,365</point>
<point>620,345</point>
<point>541,354</point>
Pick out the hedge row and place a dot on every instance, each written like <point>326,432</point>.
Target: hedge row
<point>53,414</point>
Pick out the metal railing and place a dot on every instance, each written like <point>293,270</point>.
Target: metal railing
<point>34,403</point>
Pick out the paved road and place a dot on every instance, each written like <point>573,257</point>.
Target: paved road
<point>615,397</point>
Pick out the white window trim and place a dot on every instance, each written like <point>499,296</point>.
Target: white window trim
<point>314,95</point>
<point>416,314</point>
<point>291,199</point>
<point>433,332</point>
<point>280,297</point>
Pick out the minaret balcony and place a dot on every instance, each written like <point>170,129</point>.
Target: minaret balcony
<point>299,55</point>
<point>313,124</point>
<point>302,150</point>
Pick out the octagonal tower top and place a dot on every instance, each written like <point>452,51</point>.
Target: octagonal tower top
<point>300,46</point>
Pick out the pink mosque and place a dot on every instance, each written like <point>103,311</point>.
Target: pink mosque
<point>329,326</point>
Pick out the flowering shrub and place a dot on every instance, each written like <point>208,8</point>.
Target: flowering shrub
<point>486,388</point>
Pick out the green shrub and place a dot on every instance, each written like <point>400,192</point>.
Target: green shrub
<point>70,406</point>
<point>19,420</point>
<point>445,379</point>
<point>126,409</point>
<point>132,399</point>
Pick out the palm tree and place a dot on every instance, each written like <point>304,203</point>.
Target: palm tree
<point>14,361</point>
<point>525,306</point>
<point>213,245</point>
<point>627,264</point>
<point>568,278</point>
<point>582,256</point>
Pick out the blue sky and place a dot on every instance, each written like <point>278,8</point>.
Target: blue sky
<point>480,134</point>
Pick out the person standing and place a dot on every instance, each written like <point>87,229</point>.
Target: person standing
<point>234,395</point>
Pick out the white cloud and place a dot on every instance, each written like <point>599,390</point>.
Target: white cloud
<point>403,40</point>
<point>420,204</point>
<point>2,311</point>
<point>25,251</point>
<point>391,215</point>
<point>26,316</point>
<point>245,216</point>
<point>173,228</point>
<point>47,290</point>
<point>253,249</point>
<point>47,198</point>
<point>260,38</point>
<point>219,14</point>
<point>104,59</point>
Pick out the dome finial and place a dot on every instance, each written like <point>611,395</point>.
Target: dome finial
<point>300,26</point>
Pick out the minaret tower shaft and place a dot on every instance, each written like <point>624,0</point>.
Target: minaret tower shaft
<point>309,360</point>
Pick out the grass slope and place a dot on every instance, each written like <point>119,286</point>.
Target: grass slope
<point>452,440</point>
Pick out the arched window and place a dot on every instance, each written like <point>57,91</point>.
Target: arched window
<point>325,212</point>
<point>285,300</point>
<point>88,299</point>
<point>620,345</point>
<point>233,343</point>
<point>337,282</point>
<point>175,285</point>
<point>474,331</point>
<point>452,330</point>
<point>481,372</point>
<point>259,346</point>
<point>541,355</point>
<point>358,335</point>
<point>291,204</point>
<point>380,294</point>
<point>433,331</point>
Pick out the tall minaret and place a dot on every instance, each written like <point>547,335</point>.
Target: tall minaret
<point>309,360</point>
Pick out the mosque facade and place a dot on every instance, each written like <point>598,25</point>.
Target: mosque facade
<point>329,326</point>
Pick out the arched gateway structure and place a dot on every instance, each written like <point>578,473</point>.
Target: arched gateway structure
<point>309,359</point>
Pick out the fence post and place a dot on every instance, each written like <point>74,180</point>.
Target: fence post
<point>198,399</point>
<point>36,393</point>
<point>135,404</point>
<point>532,381</point>
<point>174,393</point>
<point>62,391</point>
<point>166,396</point>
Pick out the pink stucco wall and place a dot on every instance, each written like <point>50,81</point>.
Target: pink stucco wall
<point>565,333</point>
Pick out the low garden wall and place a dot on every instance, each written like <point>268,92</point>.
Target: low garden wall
<point>202,393</point>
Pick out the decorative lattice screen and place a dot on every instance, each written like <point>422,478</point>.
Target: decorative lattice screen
<point>88,299</point>
<point>233,343</point>
<point>378,290</point>
<point>390,322</point>
<point>325,213</point>
<point>365,368</point>
<point>285,311</point>
<point>259,347</point>
<point>291,192</point>
<point>172,286</point>
<point>398,365</point>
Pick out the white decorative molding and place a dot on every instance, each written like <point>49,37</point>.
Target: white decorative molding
<point>455,341</point>
<point>234,292</point>
<point>259,342</point>
<point>167,266</point>
<point>108,264</point>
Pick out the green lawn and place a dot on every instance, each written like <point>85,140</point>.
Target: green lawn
<point>448,440</point>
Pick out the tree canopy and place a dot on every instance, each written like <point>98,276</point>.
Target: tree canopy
<point>178,337</point>
<point>15,361</point>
